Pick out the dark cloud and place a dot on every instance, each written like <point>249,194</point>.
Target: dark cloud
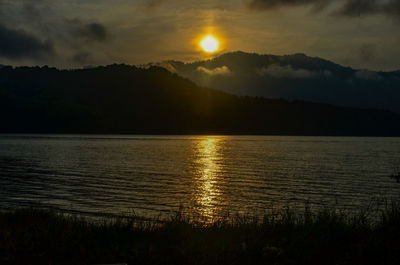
<point>348,8</point>
<point>30,11</point>
<point>35,20</point>
<point>17,44</point>
<point>39,14</point>
<point>27,10</point>
<point>97,31</point>
<point>153,4</point>
<point>356,8</point>
<point>272,4</point>
<point>82,57</point>
<point>1,7</point>
<point>90,31</point>
<point>393,8</point>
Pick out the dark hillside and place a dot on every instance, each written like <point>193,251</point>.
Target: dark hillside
<point>126,99</point>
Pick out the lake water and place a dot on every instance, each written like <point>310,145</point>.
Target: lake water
<point>205,175</point>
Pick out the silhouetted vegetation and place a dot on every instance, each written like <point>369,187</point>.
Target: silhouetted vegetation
<point>126,99</point>
<point>327,237</point>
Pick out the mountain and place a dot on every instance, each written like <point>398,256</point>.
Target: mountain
<point>127,99</point>
<point>294,77</point>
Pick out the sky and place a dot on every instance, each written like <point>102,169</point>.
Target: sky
<point>363,34</point>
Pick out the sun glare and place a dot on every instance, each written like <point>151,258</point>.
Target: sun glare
<point>209,44</point>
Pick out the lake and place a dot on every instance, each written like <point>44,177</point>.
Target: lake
<point>208,176</point>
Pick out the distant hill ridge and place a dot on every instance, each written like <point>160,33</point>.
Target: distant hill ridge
<point>127,99</point>
<point>294,77</point>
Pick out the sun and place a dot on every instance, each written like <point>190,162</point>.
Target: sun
<point>209,44</point>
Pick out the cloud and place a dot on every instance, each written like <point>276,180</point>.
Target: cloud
<point>167,65</point>
<point>288,71</point>
<point>90,31</point>
<point>17,44</point>
<point>223,70</point>
<point>367,75</point>
<point>153,4</point>
<point>355,8</point>
<point>32,19</point>
<point>82,57</point>
<point>30,11</point>
<point>272,4</point>
<point>347,8</point>
<point>393,8</point>
<point>41,15</point>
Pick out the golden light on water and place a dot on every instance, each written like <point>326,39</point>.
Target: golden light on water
<point>208,190</point>
<point>209,44</point>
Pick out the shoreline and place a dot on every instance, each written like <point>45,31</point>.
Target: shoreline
<point>326,237</point>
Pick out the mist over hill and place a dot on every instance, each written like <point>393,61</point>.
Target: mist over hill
<point>127,99</point>
<point>294,77</point>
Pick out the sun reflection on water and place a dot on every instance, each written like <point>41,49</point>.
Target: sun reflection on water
<point>208,188</point>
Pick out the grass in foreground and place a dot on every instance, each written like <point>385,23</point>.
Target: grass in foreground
<point>43,237</point>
